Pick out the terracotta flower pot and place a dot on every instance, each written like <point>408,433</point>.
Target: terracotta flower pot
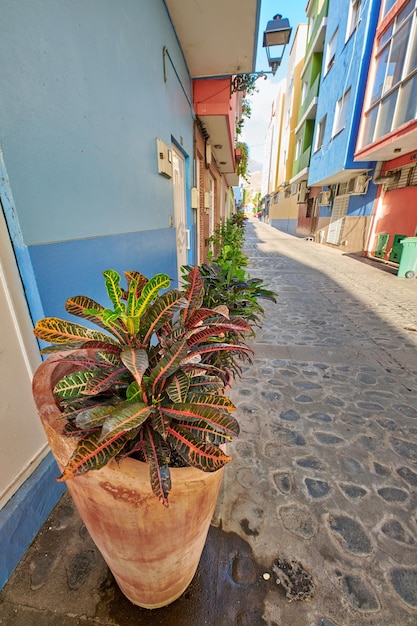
<point>152,551</point>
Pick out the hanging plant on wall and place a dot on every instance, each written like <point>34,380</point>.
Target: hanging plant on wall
<point>246,113</point>
<point>242,158</point>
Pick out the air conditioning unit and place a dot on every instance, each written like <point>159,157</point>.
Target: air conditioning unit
<point>358,185</point>
<point>325,198</point>
<point>303,192</point>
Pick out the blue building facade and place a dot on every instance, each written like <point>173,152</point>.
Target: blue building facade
<point>345,204</point>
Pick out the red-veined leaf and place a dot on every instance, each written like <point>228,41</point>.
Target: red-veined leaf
<point>221,347</point>
<point>92,454</point>
<point>136,361</point>
<point>213,331</point>
<point>167,365</point>
<point>160,312</point>
<point>195,452</point>
<point>194,292</point>
<point>160,421</point>
<point>202,384</point>
<point>156,455</point>
<point>178,387</point>
<point>212,400</point>
<point>201,431</point>
<point>84,362</point>
<point>216,420</point>
<point>93,417</point>
<point>200,315</point>
<point>139,280</point>
<point>104,380</point>
<point>124,417</point>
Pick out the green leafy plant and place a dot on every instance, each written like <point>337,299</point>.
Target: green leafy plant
<point>243,162</point>
<point>226,243</point>
<point>225,279</point>
<point>149,387</point>
<point>239,219</point>
<point>235,290</point>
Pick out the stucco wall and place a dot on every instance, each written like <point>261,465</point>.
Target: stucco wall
<point>396,214</point>
<point>82,101</point>
<point>283,215</point>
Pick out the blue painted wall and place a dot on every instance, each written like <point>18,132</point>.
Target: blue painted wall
<point>349,70</point>
<point>25,513</point>
<point>362,205</point>
<point>121,252</point>
<point>82,101</point>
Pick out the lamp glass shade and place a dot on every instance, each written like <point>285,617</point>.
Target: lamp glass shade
<point>277,33</point>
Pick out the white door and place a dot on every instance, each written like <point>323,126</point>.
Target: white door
<point>182,233</point>
<point>22,441</point>
<point>339,211</point>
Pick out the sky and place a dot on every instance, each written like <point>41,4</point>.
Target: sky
<point>255,128</point>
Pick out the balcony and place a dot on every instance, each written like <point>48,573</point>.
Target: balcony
<point>217,110</point>
<point>302,162</point>
<point>317,37</point>
<point>308,108</point>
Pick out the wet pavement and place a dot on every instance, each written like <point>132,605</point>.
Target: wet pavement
<point>316,524</point>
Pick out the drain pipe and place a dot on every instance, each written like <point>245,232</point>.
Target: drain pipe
<point>377,179</point>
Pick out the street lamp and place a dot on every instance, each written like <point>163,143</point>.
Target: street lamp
<point>276,35</point>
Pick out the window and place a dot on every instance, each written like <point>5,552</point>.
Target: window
<point>321,127</point>
<point>392,97</point>
<point>388,4</point>
<point>340,115</point>
<point>404,177</point>
<point>330,52</point>
<point>407,102</point>
<point>298,148</point>
<point>311,20</point>
<point>354,17</point>
<point>304,91</point>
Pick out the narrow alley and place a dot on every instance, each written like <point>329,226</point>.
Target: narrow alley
<point>316,524</point>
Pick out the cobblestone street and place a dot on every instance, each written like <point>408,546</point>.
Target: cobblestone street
<point>326,466</point>
<point>321,494</point>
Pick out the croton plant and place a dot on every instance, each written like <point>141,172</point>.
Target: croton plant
<point>152,386</point>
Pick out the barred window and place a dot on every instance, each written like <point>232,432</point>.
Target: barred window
<point>404,177</point>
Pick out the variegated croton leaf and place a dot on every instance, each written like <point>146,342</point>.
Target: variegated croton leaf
<point>196,452</point>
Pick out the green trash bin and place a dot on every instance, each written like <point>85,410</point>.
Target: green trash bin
<point>381,245</point>
<point>397,249</point>
<point>408,263</point>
